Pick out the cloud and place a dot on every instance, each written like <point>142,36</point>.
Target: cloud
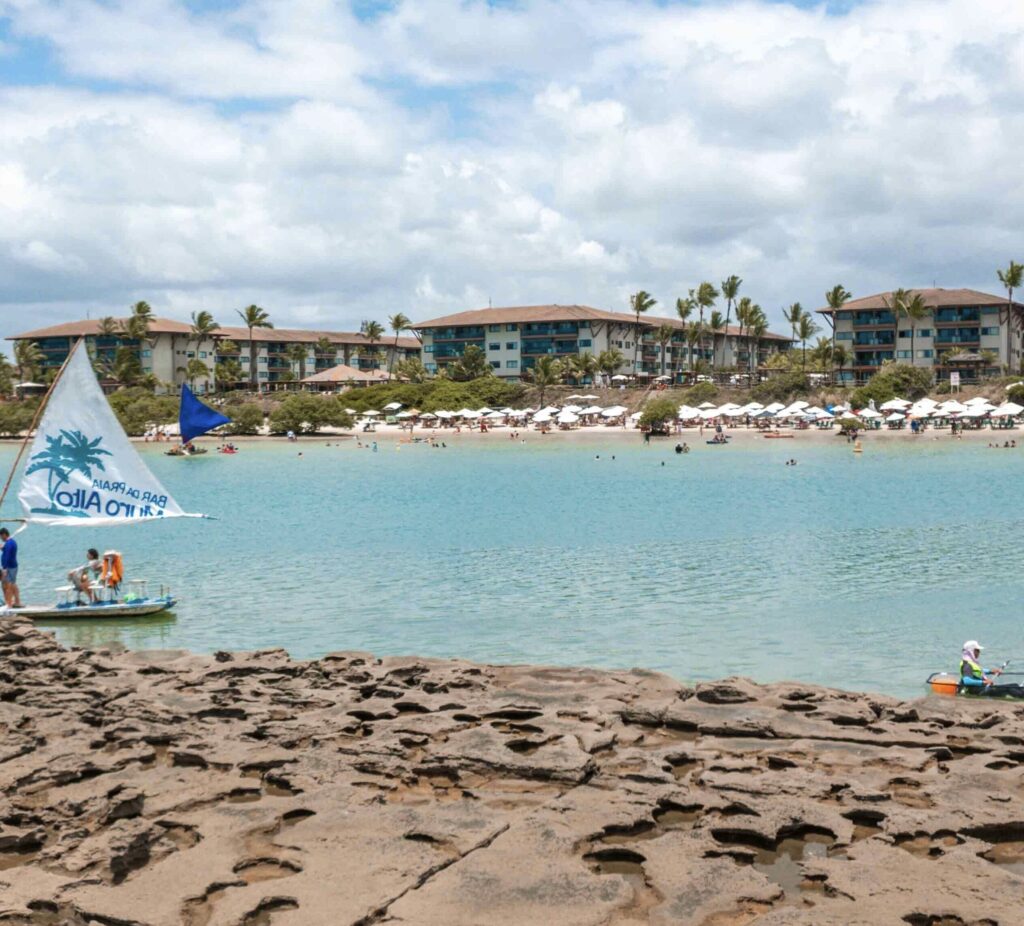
<point>439,153</point>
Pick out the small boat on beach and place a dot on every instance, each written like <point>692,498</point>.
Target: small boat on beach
<point>194,420</point>
<point>776,435</point>
<point>126,607</point>
<point>945,683</point>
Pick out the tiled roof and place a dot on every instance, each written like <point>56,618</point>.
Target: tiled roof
<point>343,373</point>
<point>235,333</point>
<point>935,298</point>
<point>560,313</point>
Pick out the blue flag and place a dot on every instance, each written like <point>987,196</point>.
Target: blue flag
<point>195,418</point>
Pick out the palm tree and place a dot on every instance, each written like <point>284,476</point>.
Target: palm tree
<point>1011,278</point>
<point>584,366</point>
<point>193,370</point>
<point>706,296</point>
<point>254,317</point>
<point>610,361</point>
<point>547,371</point>
<point>840,357</point>
<point>663,336</point>
<point>743,320</point>
<point>324,348</point>
<point>6,375</point>
<point>716,325</point>
<point>897,302</point>
<point>298,353</point>
<point>640,302</point>
<point>372,333</point>
<point>28,358</point>
<point>805,329</point>
<point>399,323</point>
<point>821,354</point>
<point>793,315</point>
<point>136,326</point>
<point>227,372</point>
<point>203,327</point>
<point>412,370</point>
<point>694,336</point>
<point>836,298</point>
<point>730,289</point>
<point>758,327</point>
<point>107,327</point>
<point>916,309</point>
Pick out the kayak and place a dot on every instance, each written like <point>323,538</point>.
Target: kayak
<point>944,683</point>
<point>717,443</point>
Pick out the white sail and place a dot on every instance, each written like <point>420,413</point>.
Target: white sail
<point>82,470</point>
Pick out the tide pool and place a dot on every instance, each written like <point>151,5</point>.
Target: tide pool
<point>863,573</point>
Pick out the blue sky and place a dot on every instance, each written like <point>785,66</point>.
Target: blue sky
<point>335,163</point>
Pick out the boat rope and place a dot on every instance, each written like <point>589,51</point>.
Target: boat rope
<point>31,430</point>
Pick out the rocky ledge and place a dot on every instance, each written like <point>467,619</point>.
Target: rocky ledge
<point>170,788</point>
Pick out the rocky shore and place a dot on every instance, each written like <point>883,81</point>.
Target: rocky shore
<point>168,788</point>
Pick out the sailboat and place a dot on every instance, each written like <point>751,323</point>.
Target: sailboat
<point>82,471</point>
<point>194,420</point>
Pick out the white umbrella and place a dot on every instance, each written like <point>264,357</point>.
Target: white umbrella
<point>1008,409</point>
<point>976,412</point>
<point>615,411</point>
<point>707,405</point>
<point>894,405</point>
<point>445,415</point>
<point>824,415</point>
<point>392,406</point>
<point>471,415</point>
<point>774,407</point>
<point>575,409</point>
<point>619,377</point>
<point>495,416</point>
<point>592,410</point>
<point>977,400</point>
<point>708,413</point>
<point>568,418</point>
<point>518,413</point>
<point>687,412</point>
<point>869,413</point>
<point>635,416</point>
<point>351,411</point>
<point>589,398</point>
<point>428,415</point>
<point>371,412</point>
<point>952,406</point>
<point>29,386</point>
<point>662,379</point>
<point>576,397</point>
<point>895,416</point>
<point>403,414</point>
<point>485,410</point>
<point>765,413</point>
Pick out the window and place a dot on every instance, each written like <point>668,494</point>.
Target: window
<point>494,327</point>
<point>905,333</point>
<point>924,332</point>
<point>494,346</point>
<point>629,344</point>
<point>618,343</point>
<point>584,342</point>
<point>263,374</point>
<point>511,345</point>
<point>903,355</point>
<point>495,364</point>
<point>844,335</point>
<point>244,358</point>
<point>990,331</point>
<point>431,367</point>
<point>147,353</point>
<point>263,359</point>
<point>202,355</point>
<point>511,327</point>
<point>428,348</point>
<point>512,364</point>
<point>926,354</point>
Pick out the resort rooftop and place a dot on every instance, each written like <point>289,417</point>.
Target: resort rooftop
<point>934,298</point>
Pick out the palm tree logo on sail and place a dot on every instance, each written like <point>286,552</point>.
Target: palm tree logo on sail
<point>65,454</point>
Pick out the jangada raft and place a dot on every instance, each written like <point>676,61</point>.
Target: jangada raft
<point>82,471</point>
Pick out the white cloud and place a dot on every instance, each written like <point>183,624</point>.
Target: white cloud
<point>444,153</point>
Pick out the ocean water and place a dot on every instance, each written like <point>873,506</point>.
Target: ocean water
<point>860,572</point>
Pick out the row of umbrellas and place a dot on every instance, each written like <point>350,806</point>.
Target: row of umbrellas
<point>566,414</point>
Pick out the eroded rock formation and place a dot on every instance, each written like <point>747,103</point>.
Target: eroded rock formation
<point>169,788</point>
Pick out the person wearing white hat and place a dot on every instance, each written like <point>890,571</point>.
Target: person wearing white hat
<point>972,676</point>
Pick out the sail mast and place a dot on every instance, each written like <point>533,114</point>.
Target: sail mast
<point>32,427</point>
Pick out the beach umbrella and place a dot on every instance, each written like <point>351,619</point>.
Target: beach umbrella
<point>592,410</point>
<point>708,413</point>
<point>568,418</point>
<point>485,410</point>
<point>977,400</point>
<point>662,379</point>
<point>707,405</point>
<point>619,378</point>
<point>392,406</point>
<point>824,415</point>
<point>774,407</point>
<point>542,416</point>
<point>895,416</point>
<point>635,416</point>
<point>614,411</point>
<point>494,416</point>
<point>687,412</point>
<point>445,415</point>
<point>404,415</point>
<point>589,398</point>
<point>571,397</point>
<point>894,405</point>
<point>1008,410</point>
<point>429,415</point>
<point>951,406</point>
<point>869,413</point>
<point>371,412</point>
<point>575,409</point>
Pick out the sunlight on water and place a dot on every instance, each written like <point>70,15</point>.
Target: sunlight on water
<point>858,572</point>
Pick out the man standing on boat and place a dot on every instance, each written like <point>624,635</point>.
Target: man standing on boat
<point>9,569</point>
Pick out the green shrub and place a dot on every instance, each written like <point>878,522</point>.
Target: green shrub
<point>1016,394</point>
<point>781,388</point>
<point>891,381</point>
<point>138,409</point>
<point>658,413</point>
<point>245,419</point>
<point>306,414</point>
<point>702,392</point>
<point>16,417</point>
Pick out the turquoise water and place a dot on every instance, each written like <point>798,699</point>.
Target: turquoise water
<point>865,573</point>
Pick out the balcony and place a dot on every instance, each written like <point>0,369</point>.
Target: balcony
<point>873,339</point>
<point>952,316</point>
<point>555,348</point>
<point>868,319</point>
<point>461,333</point>
<point>547,329</point>
<point>957,337</point>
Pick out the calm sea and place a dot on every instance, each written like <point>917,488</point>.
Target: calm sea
<point>864,573</point>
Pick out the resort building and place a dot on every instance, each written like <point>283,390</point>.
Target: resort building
<point>172,344</point>
<point>514,338</point>
<point>964,332</point>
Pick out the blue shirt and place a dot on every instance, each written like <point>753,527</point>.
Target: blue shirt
<point>9,556</point>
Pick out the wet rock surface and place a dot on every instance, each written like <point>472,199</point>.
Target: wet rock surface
<point>250,789</point>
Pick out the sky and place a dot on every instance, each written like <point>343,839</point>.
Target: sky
<point>337,161</point>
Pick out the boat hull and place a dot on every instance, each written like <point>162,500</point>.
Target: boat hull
<point>144,607</point>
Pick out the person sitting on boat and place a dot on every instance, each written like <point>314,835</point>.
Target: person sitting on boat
<point>79,577</point>
<point>972,676</point>
<point>112,571</point>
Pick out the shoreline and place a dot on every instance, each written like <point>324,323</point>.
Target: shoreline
<point>166,787</point>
